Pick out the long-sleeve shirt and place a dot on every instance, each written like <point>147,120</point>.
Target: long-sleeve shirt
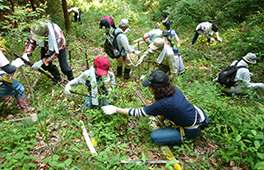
<point>122,42</point>
<point>243,75</point>
<point>86,75</point>
<point>4,64</point>
<point>60,40</point>
<point>74,9</point>
<point>206,29</point>
<point>169,59</point>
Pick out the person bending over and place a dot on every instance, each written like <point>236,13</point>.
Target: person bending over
<point>170,102</point>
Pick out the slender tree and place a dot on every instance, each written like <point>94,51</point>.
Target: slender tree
<point>32,5</point>
<point>66,16</point>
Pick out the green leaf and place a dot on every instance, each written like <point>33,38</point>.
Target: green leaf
<point>19,155</point>
<point>47,159</point>
<point>259,165</point>
<point>238,137</point>
<point>60,165</point>
<point>231,152</point>
<point>53,163</point>
<point>260,155</point>
<point>68,162</point>
<point>55,157</point>
<point>254,132</point>
<point>257,144</point>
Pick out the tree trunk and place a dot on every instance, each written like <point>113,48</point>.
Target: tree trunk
<point>66,16</point>
<point>32,5</point>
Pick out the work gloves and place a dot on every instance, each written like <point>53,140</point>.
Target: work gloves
<point>25,56</point>
<point>140,60</point>
<point>137,53</point>
<point>17,63</point>
<point>37,65</point>
<point>219,39</point>
<point>127,30</point>
<point>3,73</point>
<point>109,109</point>
<point>148,41</point>
<point>67,89</point>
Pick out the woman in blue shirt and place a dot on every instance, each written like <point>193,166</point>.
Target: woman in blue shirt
<point>170,102</point>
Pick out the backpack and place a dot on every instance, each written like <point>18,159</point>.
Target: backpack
<point>110,45</point>
<point>227,75</point>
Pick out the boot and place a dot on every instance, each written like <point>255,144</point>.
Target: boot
<point>23,103</point>
<point>119,71</point>
<point>56,75</point>
<point>126,74</point>
<point>70,76</point>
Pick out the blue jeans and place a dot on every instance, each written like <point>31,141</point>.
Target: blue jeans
<point>7,91</point>
<point>166,136</point>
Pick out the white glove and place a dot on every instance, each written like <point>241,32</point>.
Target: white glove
<point>104,33</point>
<point>219,39</point>
<point>17,63</point>
<point>25,56</point>
<point>37,65</point>
<point>139,61</point>
<point>67,89</point>
<point>127,30</point>
<point>148,41</point>
<point>109,109</point>
<point>212,39</point>
<point>109,91</point>
<point>3,73</point>
<point>137,53</point>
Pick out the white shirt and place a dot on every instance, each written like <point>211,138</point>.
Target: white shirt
<point>75,9</point>
<point>205,28</point>
<point>3,60</point>
<point>243,75</point>
<point>125,44</point>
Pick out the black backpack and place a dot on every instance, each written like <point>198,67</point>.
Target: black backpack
<point>110,45</point>
<point>227,75</point>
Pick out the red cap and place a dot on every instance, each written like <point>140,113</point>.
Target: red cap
<point>102,64</point>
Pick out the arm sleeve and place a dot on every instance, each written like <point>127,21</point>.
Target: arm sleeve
<point>125,44</point>
<point>30,45</point>
<point>138,112</point>
<point>172,64</point>
<point>9,69</point>
<point>81,79</point>
<point>112,78</point>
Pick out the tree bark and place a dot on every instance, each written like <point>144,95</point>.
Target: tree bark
<point>66,16</point>
<point>32,5</point>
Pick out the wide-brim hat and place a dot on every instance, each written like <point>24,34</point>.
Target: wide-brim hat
<point>39,30</point>
<point>102,64</point>
<point>157,78</point>
<point>250,58</point>
<point>156,44</point>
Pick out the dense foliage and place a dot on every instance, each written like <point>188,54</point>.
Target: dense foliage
<point>235,138</point>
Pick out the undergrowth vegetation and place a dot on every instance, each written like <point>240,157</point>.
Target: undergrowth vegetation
<point>55,141</point>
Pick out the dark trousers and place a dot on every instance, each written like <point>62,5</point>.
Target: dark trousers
<point>65,68</point>
<point>76,17</point>
<point>196,35</point>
